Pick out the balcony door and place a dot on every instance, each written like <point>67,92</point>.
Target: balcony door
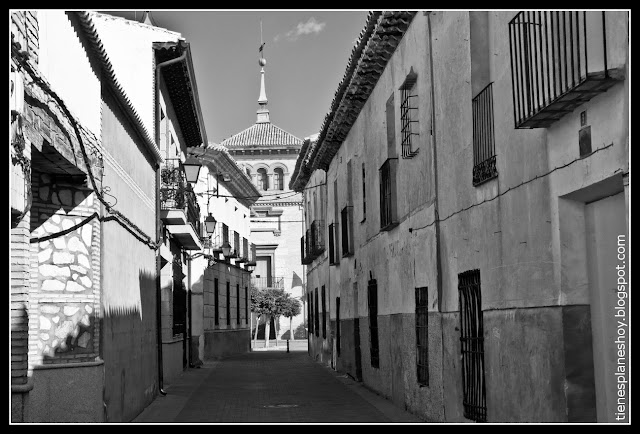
<point>263,270</point>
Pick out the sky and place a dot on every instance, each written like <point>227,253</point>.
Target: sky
<point>306,53</point>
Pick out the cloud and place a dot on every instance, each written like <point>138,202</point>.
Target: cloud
<point>310,27</point>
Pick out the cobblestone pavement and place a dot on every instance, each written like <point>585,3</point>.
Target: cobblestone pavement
<point>270,387</point>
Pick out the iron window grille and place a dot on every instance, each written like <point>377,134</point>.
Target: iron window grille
<point>553,68</point>
<point>310,311</point>
<point>422,335</point>
<point>237,303</point>
<point>347,231</point>
<point>179,298</point>
<point>228,303</point>
<point>317,231</point>
<point>216,307</point>
<point>372,292</point>
<point>333,255</point>
<point>338,326</point>
<point>388,206</point>
<point>408,115</point>
<point>246,305</point>
<point>317,315</point>
<point>472,346</point>
<point>364,195</point>
<point>324,314</point>
<point>484,151</point>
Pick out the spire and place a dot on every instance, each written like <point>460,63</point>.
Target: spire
<point>263,111</point>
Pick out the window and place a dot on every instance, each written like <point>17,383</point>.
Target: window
<point>216,309</point>
<point>179,298</point>
<point>347,231</point>
<point>228,303</point>
<point>246,305</point>
<point>324,315</point>
<point>472,346</point>
<point>364,194</point>
<point>225,233</point>
<point>278,180</point>
<point>484,153</point>
<point>317,315</point>
<point>336,221</point>
<point>238,304</point>
<point>263,179</point>
<point>333,255</point>
<point>422,335</point>
<point>408,115</point>
<point>558,62</point>
<point>248,172</point>
<point>373,322</point>
<point>310,312</point>
<point>388,209</point>
<point>338,326</point>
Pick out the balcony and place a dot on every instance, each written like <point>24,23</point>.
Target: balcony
<point>251,259</point>
<point>243,253</point>
<point>317,235</point>
<point>305,250</point>
<point>267,282</point>
<point>559,60</point>
<point>179,209</point>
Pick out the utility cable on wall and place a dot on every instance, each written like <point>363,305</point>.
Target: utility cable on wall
<point>117,215</point>
<point>510,189</point>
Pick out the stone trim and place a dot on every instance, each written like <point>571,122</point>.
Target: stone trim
<point>69,365</point>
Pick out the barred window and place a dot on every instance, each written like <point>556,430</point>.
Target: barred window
<point>324,315</point>
<point>472,346</point>
<point>484,151</point>
<point>409,115</point>
<point>216,302</point>
<point>373,322</point>
<point>238,304</point>
<point>228,303</point>
<point>317,315</point>
<point>422,335</point>
<point>246,305</point>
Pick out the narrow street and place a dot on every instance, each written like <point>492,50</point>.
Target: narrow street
<point>270,386</point>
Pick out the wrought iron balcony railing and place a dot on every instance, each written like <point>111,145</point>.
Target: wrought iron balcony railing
<point>175,193</point>
<point>267,282</point>
<point>484,149</point>
<point>304,249</point>
<point>559,60</point>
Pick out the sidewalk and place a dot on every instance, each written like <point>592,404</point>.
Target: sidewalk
<point>270,387</point>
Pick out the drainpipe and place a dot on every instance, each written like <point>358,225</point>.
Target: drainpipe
<point>159,223</point>
<point>435,178</point>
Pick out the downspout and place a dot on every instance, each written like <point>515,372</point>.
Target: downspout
<point>159,224</point>
<point>435,206</point>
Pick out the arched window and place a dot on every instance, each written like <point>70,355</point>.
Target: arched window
<point>263,179</point>
<point>278,178</point>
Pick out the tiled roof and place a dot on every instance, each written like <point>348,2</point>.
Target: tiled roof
<point>376,44</point>
<point>262,135</point>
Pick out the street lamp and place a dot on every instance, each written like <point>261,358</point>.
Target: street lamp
<point>210,224</point>
<point>226,248</point>
<point>191,169</point>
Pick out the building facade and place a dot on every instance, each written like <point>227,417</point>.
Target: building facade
<point>465,268</point>
<point>267,154</point>
<point>98,210</point>
<point>219,282</point>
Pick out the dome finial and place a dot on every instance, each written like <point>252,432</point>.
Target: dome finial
<point>263,111</point>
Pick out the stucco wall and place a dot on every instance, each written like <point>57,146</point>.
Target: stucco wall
<point>62,50</point>
<point>129,272</point>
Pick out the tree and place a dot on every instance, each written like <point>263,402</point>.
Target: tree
<point>267,302</point>
<point>290,308</point>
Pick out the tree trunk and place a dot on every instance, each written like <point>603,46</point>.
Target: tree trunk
<point>255,338</point>
<point>291,336</point>
<point>267,331</point>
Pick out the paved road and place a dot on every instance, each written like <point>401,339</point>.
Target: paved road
<point>270,387</point>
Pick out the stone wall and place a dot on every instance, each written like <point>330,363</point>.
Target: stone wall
<point>65,272</point>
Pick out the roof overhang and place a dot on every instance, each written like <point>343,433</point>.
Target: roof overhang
<point>218,160</point>
<point>377,43</point>
<point>181,84</point>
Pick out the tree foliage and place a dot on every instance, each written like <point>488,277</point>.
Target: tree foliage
<point>269,301</point>
<point>290,307</point>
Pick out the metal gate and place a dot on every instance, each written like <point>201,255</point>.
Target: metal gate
<point>472,346</point>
